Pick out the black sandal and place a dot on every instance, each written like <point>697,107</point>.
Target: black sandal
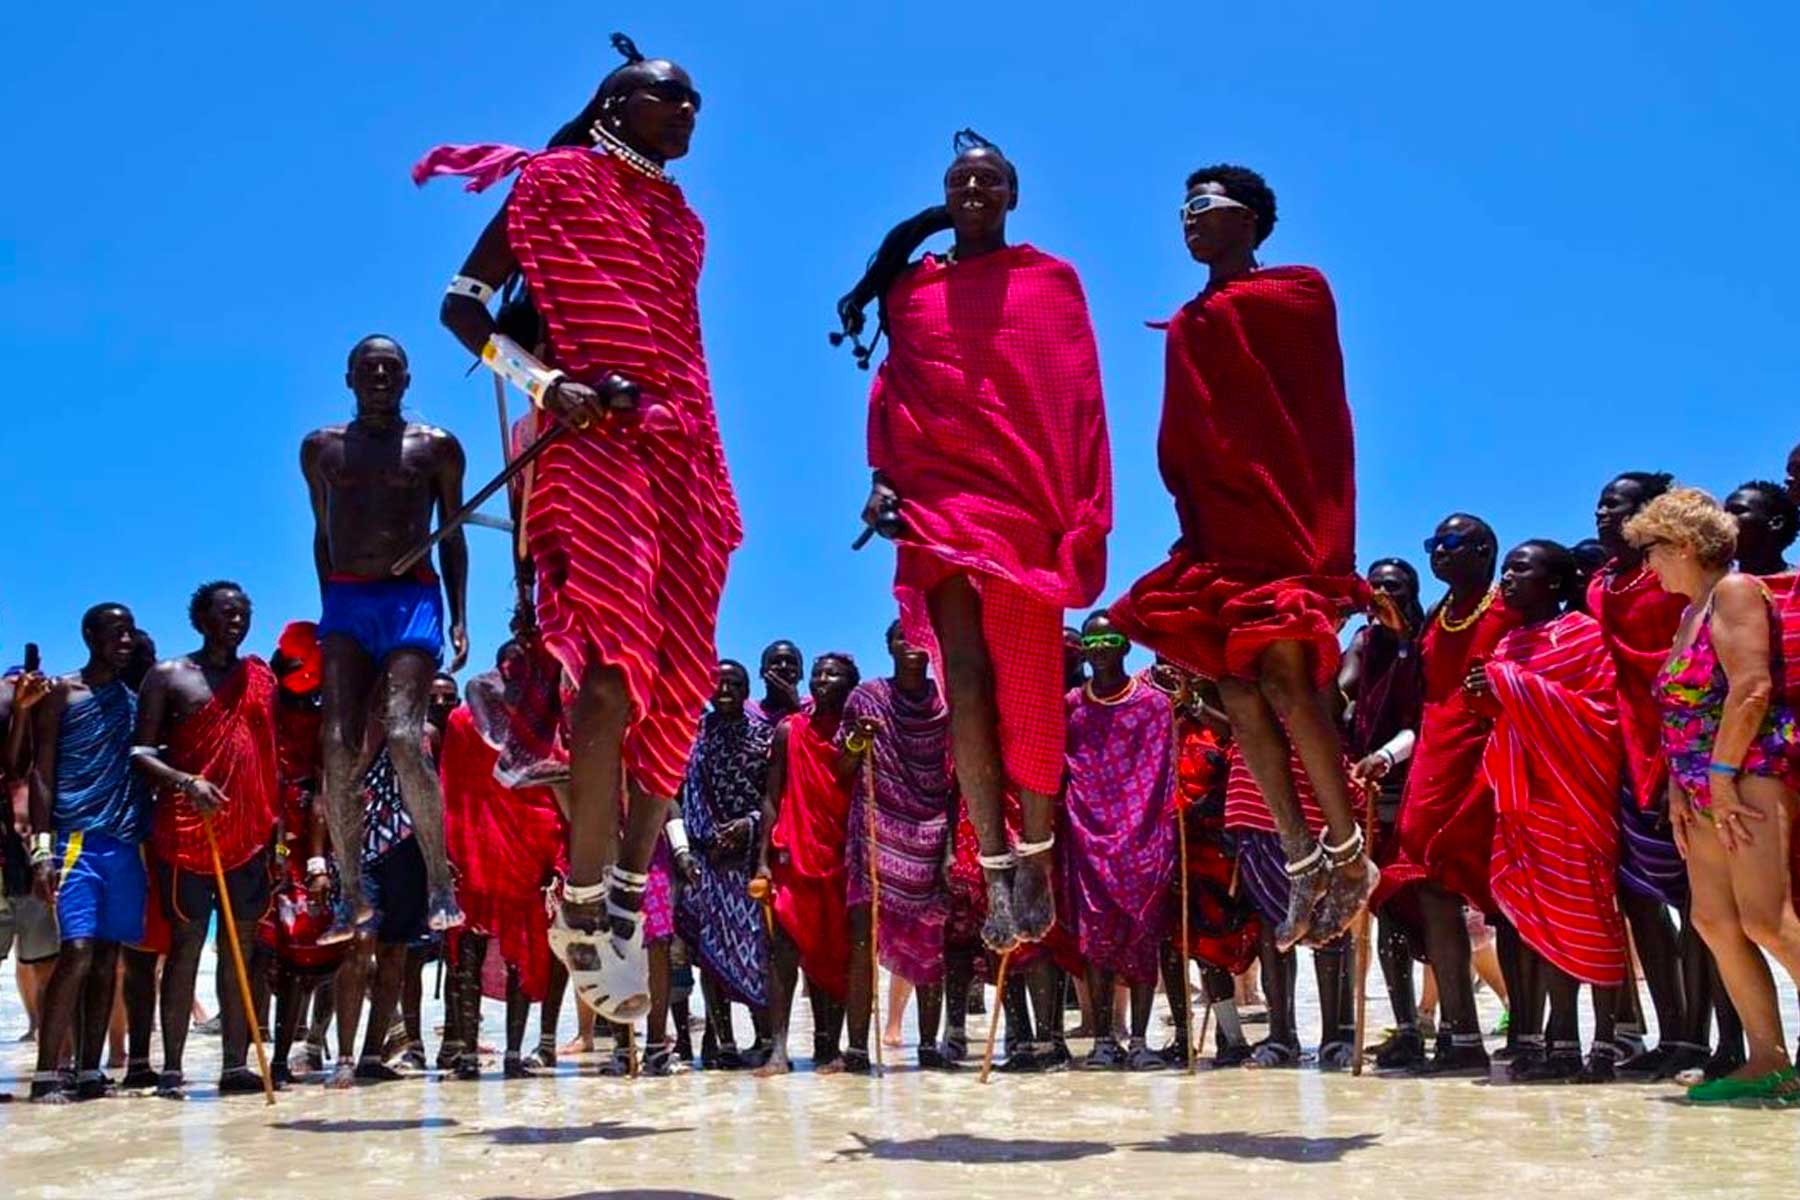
<point>1271,1055</point>
<point>1107,1055</point>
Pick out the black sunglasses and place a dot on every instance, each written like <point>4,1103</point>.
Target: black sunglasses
<point>670,91</point>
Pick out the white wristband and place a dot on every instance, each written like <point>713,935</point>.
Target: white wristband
<point>509,360</point>
<point>316,865</point>
<point>676,830</point>
<point>41,848</point>
<point>474,289</point>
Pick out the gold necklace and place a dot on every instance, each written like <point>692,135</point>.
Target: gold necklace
<point>1125,693</point>
<point>1449,626</point>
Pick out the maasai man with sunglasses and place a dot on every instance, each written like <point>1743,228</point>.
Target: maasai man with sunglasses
<point>1256,448</point>
<point>1120,821</point>
<point>628,519</point>
<point>1445,828</point>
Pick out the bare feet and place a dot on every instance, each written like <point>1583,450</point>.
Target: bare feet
<point>1000,932</point>
<point>892,1038</point>
<point>777,1065</point>
<point>577,1045</point>
<point>1347,890</point>
<point>443,912</point>
<point>343,1076</point>
<point>1033,898</point>
<point>1305,888</point>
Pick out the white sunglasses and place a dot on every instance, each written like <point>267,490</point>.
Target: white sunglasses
<point>1206,202</point>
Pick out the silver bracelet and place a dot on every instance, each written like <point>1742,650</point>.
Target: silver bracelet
<point>474,289</point>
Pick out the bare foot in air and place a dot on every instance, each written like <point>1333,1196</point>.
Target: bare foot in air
<point>1000,932</point>
<point>1033,898</point>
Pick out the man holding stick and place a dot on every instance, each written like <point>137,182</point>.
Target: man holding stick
<point>206,740</point>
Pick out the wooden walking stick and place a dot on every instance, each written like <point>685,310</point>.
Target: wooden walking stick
<point>1363,922</point>
<point>987,1056</point>
<point>874,905</point>
<point>1187,999</point>
<point>237,959</point>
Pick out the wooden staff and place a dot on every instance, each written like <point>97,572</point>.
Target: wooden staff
<point>1363,921</point>
<point>237,959</point>
<point>1187,999</point>
<point>987,1057</point>
<point>874,855</point>
<point>761,893</point>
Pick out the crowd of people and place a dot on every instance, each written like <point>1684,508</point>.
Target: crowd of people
<point>1577,767</point>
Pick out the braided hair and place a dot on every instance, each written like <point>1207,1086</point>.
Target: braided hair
<point>894,256</point>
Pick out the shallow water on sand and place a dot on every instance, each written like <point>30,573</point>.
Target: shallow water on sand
<point>1235,1132</point>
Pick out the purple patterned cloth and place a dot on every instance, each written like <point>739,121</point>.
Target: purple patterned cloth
<point>1649,863</point>
<point>914,789</point>
<point>659,896</point>
<point>1119,828</point>
<point>1262,866</point>
<point>722,926</point>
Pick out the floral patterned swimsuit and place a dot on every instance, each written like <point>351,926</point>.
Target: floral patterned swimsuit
<point>1691,692</point>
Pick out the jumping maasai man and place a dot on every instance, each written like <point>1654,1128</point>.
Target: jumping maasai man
<point>914,802</point>
<point>507,845</point>
<point>206,740</point>
<point>630,518</point>
<point>1639,620</point>
<point>374,484</point>
<point>1120,821</point>
<point>1257,449</point>
<point>721,806</point>
<point>91,811</point>
<point>987,432</point>
<point>1445,830</point>
<point>1382,681</point>
<point>806,811</point>
<point>1555,762</point>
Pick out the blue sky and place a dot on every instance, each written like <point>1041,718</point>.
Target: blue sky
<point>1560,237</point>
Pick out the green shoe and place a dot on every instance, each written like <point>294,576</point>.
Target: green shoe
<point>1505,1025</point>
<point>1781,1086</point>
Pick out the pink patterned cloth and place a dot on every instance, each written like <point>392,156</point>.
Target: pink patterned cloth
<point>1119,851</point>
<point>485,164</point>
<point>659,896</point>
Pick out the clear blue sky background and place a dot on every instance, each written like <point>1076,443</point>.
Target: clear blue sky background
<point>1561,238</point>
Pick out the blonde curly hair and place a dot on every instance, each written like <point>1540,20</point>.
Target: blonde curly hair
<point>1685,516</point>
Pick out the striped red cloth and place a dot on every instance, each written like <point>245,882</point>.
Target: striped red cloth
<point>1258,451</point>
<point>810,857</point>
<point>1639,620</point>
<point>230,740</point>
<point>1245,807</point>
<point>629,524</point>
<point>506,845</point>
<point>1445,830</point>
<point>1555,763</point>
<point>988,419</point>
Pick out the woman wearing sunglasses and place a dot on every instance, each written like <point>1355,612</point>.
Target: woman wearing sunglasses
<point>987,432</point>
<point>630,517</point>
<point>1256,448</point>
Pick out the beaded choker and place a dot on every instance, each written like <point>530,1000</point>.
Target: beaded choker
<point>1129,690</point>
<point>1449,626</point>
<point>640,163</point>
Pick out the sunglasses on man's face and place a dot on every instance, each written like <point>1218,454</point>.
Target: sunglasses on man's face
<point>1193,206</point>
<point>1103,641</point>
<point>668,91</point>
<point>1448,541</point>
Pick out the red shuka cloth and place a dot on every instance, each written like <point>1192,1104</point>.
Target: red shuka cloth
<point>1445,830</point>
<point>810,868</point>
<point>1639,621</point>
<point>1245,807</point>
<point>630,524</point>
<point>231,741</point>
<point>506,845</point>
<point>1554,761</point>
<point>1258,451</point>
<point>1224,928</point>
<point>987,418</point>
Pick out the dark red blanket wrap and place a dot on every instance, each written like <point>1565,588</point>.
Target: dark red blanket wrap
<point>1257,449</point>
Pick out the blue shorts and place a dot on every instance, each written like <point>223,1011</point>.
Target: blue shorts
<point>385,615</point>
<point>104,888</point>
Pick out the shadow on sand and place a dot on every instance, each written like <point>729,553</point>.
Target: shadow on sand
<point>625,1194</point>
<point>396,1125</point>
<point>1281,1147</point>
<point>566,1135</point>
<point>966,1148</point>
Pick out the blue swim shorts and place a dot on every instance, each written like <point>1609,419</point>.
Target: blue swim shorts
<point>104,888</point>
<point>385,615</point>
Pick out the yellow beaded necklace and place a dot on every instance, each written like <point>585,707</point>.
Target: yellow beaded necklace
<point>1449,626</point>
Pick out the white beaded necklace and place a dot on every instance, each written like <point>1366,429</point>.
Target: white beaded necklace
<point>638,162</point>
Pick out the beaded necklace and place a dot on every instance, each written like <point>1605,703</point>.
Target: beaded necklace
<point>1449,626</point>
<point>638,162</point>
<point>1129,690</point>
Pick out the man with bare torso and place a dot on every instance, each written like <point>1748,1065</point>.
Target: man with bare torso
<point>374,483</point>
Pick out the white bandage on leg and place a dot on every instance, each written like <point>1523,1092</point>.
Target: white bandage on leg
<point>509,360</point>
<point>676,831</point>
<point>474,289</point>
